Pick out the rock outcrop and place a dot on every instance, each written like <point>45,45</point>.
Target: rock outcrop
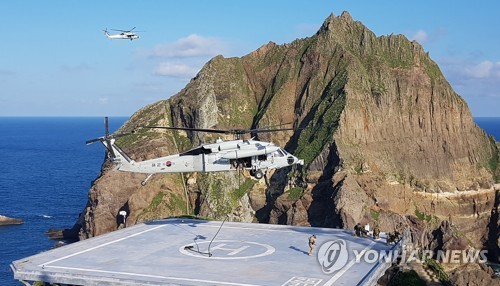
<point>474,275</point>
<point>385,139</point>
<point>8,221</point>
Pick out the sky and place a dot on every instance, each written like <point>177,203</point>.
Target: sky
<point>56,61</point>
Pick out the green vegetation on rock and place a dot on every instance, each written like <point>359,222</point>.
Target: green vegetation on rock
<point>242,190</point>
<point>407,278</point>
<point>494,160</point>
<point>295,193</point>
<point>320,133</point>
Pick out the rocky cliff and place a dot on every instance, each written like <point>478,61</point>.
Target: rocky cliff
<point>385,139</point>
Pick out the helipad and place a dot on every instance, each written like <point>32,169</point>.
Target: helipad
<point>199,252</point>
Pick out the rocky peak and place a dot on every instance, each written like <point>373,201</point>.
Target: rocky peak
<point>382,133</point>
<point>332,20</point>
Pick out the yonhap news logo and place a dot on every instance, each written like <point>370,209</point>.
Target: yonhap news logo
<point>333,256</point>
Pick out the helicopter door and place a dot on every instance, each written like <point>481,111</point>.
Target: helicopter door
<point>199,163</point>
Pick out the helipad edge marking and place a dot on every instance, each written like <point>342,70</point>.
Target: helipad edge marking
<point>348,265</point>
<point>99,246</point>
<point>152,276</point>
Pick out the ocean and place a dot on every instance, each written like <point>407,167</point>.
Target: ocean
<point>45,175</point>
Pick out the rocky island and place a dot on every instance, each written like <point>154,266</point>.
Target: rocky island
<point>385,138</point>
<point>8,221</point>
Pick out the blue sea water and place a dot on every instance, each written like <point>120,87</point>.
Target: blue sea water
<point>45,174</point>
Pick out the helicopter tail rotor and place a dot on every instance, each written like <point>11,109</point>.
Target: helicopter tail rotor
<point>108,139</point>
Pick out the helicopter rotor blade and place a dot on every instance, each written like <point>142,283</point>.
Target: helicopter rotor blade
<point>126,31</point>
<point>106,127</point>
<point>190,129</point>
<point>221,131</point>
<point>108,138</point>
<point>103,138</point>
<point>88,142</point>
<point>260,130</point>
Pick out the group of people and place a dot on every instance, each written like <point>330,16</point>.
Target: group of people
<point>362,231</point>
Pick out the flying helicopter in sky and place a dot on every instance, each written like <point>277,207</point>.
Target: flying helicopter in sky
<point>223,155</point>
<point>122,35</point>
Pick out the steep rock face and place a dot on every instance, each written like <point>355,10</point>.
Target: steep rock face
<point>382,132</point>
<point>474,275</point>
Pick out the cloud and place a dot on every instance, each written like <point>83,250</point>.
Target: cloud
<point>424,37</point>
<point>175,70</point>
<point>420,36</point>
<point>485,69</point>
<point>190,46</point>
<point>471,78</point>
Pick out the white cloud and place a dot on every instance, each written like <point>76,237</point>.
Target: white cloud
<point>425,37</point>
<point>103,100</point>
<point>485,69</point>
<point>420,36</point>
<point>176,70</point>
<point>190,46</point>
<point>473,79</point>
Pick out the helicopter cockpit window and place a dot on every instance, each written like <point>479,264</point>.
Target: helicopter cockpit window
<point>279,153</point>
<point>197,151</point>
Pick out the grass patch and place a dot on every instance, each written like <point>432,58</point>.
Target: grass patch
<point>242,190</point>
<point>407,278</point>
<point>493,162</point>
<point>156,201</point>
<point>375,215</point>
<point>425,217</point>
<point>177,203</point>
<point>437,268</point>
<point>295,193</point>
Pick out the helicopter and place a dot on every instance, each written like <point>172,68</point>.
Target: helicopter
<point>231,155</point>
<point>123,35</point>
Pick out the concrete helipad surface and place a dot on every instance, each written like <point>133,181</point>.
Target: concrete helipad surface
<point>199,252</point>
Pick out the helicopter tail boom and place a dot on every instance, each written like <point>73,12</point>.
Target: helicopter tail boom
<point>116,154</point>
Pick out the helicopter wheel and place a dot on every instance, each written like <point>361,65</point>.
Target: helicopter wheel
<point>258,174</point>
<point>252,173</point>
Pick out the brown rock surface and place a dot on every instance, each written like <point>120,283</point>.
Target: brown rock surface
<point>385,138</point>
<point>474,275</point>
<point>8,221</point>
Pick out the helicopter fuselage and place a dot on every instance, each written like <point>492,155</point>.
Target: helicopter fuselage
<point>221,156</point>
<point>125,35</point>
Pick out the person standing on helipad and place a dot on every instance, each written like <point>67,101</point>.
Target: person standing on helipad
<point>312,244</point>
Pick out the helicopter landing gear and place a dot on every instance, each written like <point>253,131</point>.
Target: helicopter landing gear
<point>143,183</point>
<point>257,174</point>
